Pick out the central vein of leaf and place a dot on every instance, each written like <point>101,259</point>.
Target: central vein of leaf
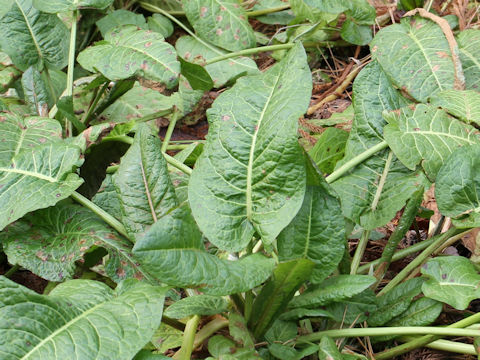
<point>149,197</point>
<point>37,46</point>
<point>29,173</point>
<point>252,152</point>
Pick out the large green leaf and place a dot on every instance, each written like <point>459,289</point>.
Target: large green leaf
<point>31,37</point>
<point>277,292</point>
<point>465,105</point>
<point>197,305</point>
<point>222,71</point>
<point>422,51</point>
<point>469,49</point>
<point>458,185</point>
<point>224,23</point>
<point>37,178</point>
<point>427,135</point>
<point>452,280</point>
<point>173,251</point>
<point>336,288</point>
<point>138,102</point>
<point>48,242</point>
<point>79,320</point>
<point>18,134</point>
<point>57,6</point>
<point>316,233</point>
<point>142,183</point>
<point>358,189</point>
<point>251,174</point>
<point>129,52</point>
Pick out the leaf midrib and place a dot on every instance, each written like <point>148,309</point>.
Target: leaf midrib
<point>29,173</point>
<point>30,29</point>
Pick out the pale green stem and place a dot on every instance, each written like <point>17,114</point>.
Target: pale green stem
<point>208,330</point>
<point>112,169</point>
<point>255,13</point>
<point>382,181</point>
<point>357,257</point>
<point>179,165</point>
<point>419,260</point>
<point>428,5</point>
<point>185,351</point>
<point>109,219</point>
<point>446,345</point>
<point>386,331</point>
<point>171,127</point>
<point>120,138</point>
<point>93,105</point>
<point>342,170</point>
<point>12,271</point>
<point>71,54</point>
<point>250,52</point>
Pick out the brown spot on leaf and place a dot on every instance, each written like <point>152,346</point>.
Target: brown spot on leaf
<point>219,32</point>
<point>442,54</point>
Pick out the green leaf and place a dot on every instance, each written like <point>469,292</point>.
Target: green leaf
<point>58,6</point>
<point>79,320</point>
<point>129,52</point>
<point>148,355</point>
<point>316,233</point>
<point>238,329</point>
<point>138,102</point>
<point>197,76</point>
<point>300,313</point>
<point>226,349</point>
<point>197,305</point>
<point>48,242</point>
<point>222,71</point>
<point>329,149</point>
<point>167,337</point>
<point>280,17</point>
<point>8,74</point>
<point>328,350</point>
<point>277,292</point>
<point>174,252</point>
<point>355,33</point>
<point>395,302</point>
<point>334,289</point>
<point>319,10</point>
<point>37,178</point>
<point>142,183</point>
<point>358,189</point>
<point>224,23</point>
<point>362,12</point>
<point>469,48</point>
<point>452,280</point>
<point>21,134</point>
<point>36,92</point>
<point>281,331</point>
<point>421,48</point>
<point>458,185</point>
<point>464,105</point>
<point>107,198</point>
<point>31,37</point>
<point>426,135</point>
<point>286,352</point>
<point>353,310</point>
<point>250,176</point>
<point>160,24</point>
<point>119,18</point>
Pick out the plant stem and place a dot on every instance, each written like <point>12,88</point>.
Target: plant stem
<point>446,345</point>
<point>357,257</point>
<point>208,330</point>
<point>419,260</point>
<point>71,53</point>
<point>86,119</point>
<point>381,331</point>
<point>382,181</point>
<point>424,340</point>
<point>342,170</point>
<point>171,127</point>
<point>173,323</point>
<point>255,13</point>
<point>400,254</point>
<point>109,219</point>
<point>185,351</point>
<point>112,169</point>
<point>175,163</point>
<point>120,138</point>
<point>250,52</point>
<point>12,271</point>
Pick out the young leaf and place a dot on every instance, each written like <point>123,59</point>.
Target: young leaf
<point>173,251</point>
<point>422,49</point>
<point>395,302</point>
<point>197,76</point>
<point>58,6</point>
<point>458,185</point>
<point>224,23</point>
<point>250,176</point>
<point>464,105</point>
<point>129,52</point>
<point>222,71</point>
<point>197,305</point>
<point>355,33</point>
<point>469,49</point>
<point>328,350</point>
<point>31,37</point>
<point>118,18</point>
<point>330,148</point>
<point>80,319</point>
<point>334,289</point>
<point>452,280</point>
<point>317,232</point>
<point>160,24</point>
<point>48,242</point>
<point>36,179</point>
<point>142,183</point>
<point>277,292</point>
<point>36,92</point>
<point>426,135</point>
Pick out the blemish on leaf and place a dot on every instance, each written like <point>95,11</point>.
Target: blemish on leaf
<point>436,68</point>
<point>219,32</point>
<point>219,18</point>
<point>203,11</point>
<point>148,44</point>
